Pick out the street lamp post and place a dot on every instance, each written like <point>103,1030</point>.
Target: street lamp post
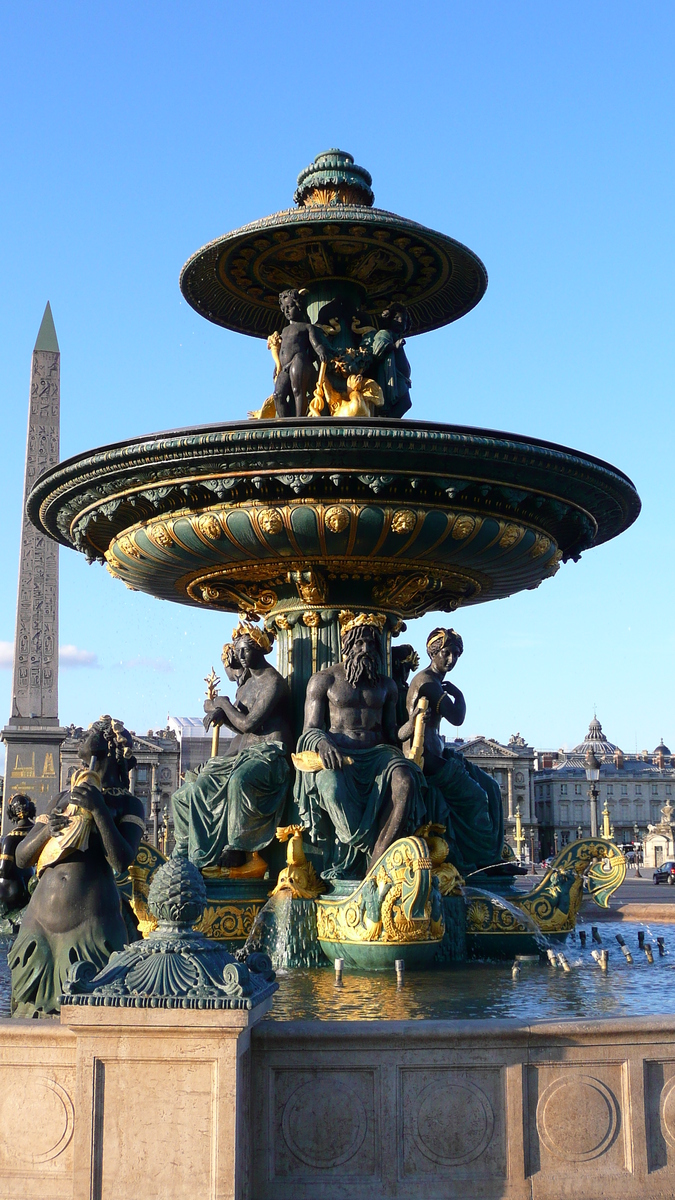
<point>593,775</point>
<point>636,831</point>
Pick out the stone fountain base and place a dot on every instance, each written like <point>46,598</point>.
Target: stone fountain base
<point>169,1104</point>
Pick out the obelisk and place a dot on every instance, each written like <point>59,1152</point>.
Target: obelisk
<point>32,735</point>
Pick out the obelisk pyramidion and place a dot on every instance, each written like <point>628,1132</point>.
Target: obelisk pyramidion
<point>32,735</point>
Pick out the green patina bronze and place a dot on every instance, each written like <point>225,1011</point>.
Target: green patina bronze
<point>340,247</point>
<point>174,967</point>
<point>293,520</point>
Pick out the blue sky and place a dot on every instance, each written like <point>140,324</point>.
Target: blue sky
<point>541,135</point>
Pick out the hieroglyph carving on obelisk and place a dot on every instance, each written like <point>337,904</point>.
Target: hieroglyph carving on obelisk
<point>32,734</point>
<point>36,650</point>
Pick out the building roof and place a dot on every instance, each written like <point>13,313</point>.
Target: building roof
<point>596,741</point>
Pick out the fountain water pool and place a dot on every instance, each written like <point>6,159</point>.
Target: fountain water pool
<point>483,989</point>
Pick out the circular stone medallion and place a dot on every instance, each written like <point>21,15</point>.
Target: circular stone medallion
<point>454,1123</point>
<point>577,1118</point>
<point>324,1123</point>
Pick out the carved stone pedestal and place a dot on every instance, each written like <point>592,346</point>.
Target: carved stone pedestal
<point>162,1098</point>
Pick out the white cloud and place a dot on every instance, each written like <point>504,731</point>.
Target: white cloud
<point>152,664</point>
<point>71,656</point>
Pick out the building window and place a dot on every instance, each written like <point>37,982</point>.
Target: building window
<point>142,774</point>
<point>563,789</point>
<point>655,789</point>
<point>548,789</point>
<point>577,789</point>
<point>669,789</point>
<point>638,789</point>
<point>624,789</point>
<point>564,812</point>
<point>610,789</point>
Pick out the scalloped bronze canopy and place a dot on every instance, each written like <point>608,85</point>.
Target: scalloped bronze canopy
<point>331,242</point>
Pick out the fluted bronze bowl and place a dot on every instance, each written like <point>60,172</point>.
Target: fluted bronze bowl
<point>402,516</point>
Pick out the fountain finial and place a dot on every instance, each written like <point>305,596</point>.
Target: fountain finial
<point>334,178</point>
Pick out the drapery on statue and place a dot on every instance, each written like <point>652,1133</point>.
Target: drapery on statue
<point>87,834</point>
<point>381,355</point>
<point>14,881</point>
<point>356,792</point>
<point>460,797</point>
<point>228,813</point>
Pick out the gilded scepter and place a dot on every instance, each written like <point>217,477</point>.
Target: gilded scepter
<point>212,683</point>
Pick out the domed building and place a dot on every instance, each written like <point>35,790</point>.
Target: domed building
<point>635,788</point>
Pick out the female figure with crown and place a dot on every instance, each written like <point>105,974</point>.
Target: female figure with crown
<point>229,813</point>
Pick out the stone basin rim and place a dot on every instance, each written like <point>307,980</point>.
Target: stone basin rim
<point>452,431</point>
<point>322,447</point>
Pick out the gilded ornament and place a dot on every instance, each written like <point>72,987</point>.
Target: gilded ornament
<point>311,619</point>
<point>128,546</point>
<point>229,922</point>
<point>397,903</point>
<point>209,525</point>
<point>510,535</point>
<point>337,519</point>
<point>298,876</point>
<point>403,521</point>
<point>462,527</point>
<point>270,520</point>
<point>540,546</point>
<point>311,585</point>
<point>403,590</point>
<point>349,620</point>
<point>160,535</point>
<point>263,637</point>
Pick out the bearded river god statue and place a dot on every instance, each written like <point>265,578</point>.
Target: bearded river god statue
<point>229,812</point>
<point>460,797</point>
<point>75,912</point>
<point>355,790</point>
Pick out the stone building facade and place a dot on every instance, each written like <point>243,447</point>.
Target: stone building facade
<point>513,768</point>
<point>157,774</point>
<point>635,787</point>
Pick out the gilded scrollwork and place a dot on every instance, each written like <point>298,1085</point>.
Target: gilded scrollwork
<point>398,902</point>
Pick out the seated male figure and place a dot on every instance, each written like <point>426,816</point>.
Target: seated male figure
<point>367,794</point>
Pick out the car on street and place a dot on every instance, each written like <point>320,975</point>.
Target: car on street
<point>665,873</point>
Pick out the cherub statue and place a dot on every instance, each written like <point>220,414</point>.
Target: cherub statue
<point>300,346</point>
<point>460,797</point>
<point>86,836</point>
<point>226,815</point>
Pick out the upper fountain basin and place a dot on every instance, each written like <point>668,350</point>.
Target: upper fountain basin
<point>405,517</point>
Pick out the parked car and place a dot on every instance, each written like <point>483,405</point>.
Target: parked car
<point>665,873</point>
